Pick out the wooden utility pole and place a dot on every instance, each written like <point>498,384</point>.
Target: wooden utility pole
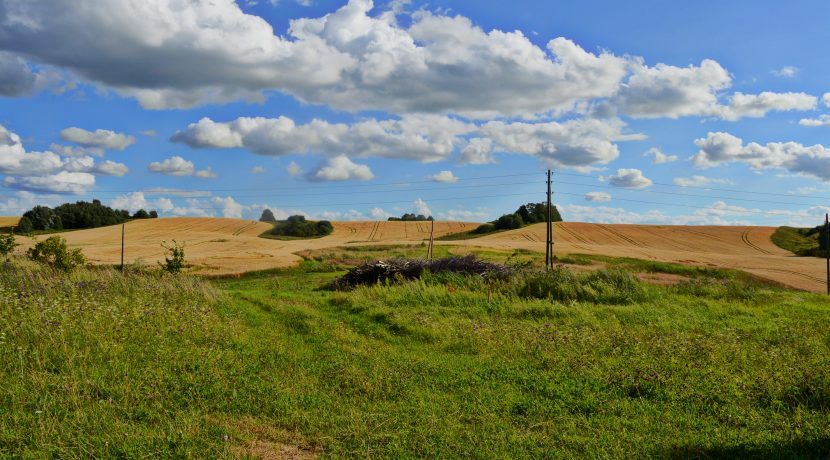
<point>431,234</point>
<point>827,248</point>
<point>122,246</point>
<point>550,216</point>
<point>549,232</point>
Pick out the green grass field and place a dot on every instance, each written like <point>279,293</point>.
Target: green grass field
<point>720,365</point>
<point>799,241</point>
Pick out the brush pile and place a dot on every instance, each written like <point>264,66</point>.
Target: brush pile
<point>409,269</point>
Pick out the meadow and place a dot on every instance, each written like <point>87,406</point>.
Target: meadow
<point>716,364</point>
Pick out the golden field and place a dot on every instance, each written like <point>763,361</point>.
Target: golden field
<point>216,246</point>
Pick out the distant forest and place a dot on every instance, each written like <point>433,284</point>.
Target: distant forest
<point>410,218</point>
<point>78,215</point>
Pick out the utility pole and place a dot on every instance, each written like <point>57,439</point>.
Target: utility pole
<point>431,233</point>
<point>827,248</point>
<point>123,225</point>
<point>549,232</point>
<point>550,216</point>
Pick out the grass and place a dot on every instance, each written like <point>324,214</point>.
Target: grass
<point>799,241</point>
<point>94,364</point>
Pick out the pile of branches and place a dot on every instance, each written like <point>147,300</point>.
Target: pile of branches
<point>410,269</point>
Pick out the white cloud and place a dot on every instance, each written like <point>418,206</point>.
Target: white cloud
<point>206,173</point>
<point>700,181</point>
<point>48,171</point>
<point>173,166</point>
<point>597,196</point>
<point>822,120</point>
<point>23,201</point>
<point>136,200</point>
<point>445,176</point>
<point>100,138</point>
<point>228,207</point>
<point>758,105</point>
<point>294,169</point>
<point>257,170</point>
<point>669,91</point>
<point>478,151</point>
<point>720,148</point>
<point>629,178</point>
<point>379,214</point>
<point>659,156</point>
<point>73,151</point>
<point>826,99</point>
<point>574,143</point>
<point>420,207</point>
<point>62,182</point>
<point>178,166</point>
<point>341,168</point>
<point>110,168</point>
<point>786,71</point>
<point>420,137</point>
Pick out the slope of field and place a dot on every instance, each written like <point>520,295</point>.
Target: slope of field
<point>229,246</point>
<point>744,248</point>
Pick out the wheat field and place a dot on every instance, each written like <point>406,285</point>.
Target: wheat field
<point>216,246</point>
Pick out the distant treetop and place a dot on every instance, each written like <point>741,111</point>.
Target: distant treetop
<point>410,217</point>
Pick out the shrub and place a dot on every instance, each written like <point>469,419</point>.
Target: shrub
<point>43,218</point>
<point>7,245</point>
<point>174,260</point>
<point>25,225</point>
<point>299,227</point>
<point>509,222</point>
<point>53,252</point>
<point>267,216</point>
<point>484,228</point>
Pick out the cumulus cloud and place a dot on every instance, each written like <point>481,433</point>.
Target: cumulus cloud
<point>478,151</point>
<point>826,99</point>
<point>420,207</point>
<point>48,171</point>
<point>464,215</point>
<point>597,196</point>
<point>379,214</point>
<point>720,148</point>
<point>659,156</point>
<point>257,170</point>
<point>178,166</point>
<point>674,92</point>
<point>341,168</point>
<point>758,105</point>
<point>822,120</point>
<point>100,138</point>
<point>700,181</point>
<point>425,138</point>
<point>718,213</point>
<point>446,177</point>
<point>629,178</point>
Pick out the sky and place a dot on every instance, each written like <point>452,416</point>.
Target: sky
<point>700,113</point>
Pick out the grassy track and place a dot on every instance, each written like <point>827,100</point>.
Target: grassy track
<point>717,366</point>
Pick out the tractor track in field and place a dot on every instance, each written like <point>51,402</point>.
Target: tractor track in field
<point>746,241</point>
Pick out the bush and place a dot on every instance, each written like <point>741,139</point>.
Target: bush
<point>409,217</point>
<point>25,225</point>
<point>484,228</point>
<point>509,222</point>
<point>299,227</point>
<point>174,262</point>
<point>7,245</point>
<point>53,252</point>
<point>267,216</point>
<point>43,218</point>
<point>602,286</point>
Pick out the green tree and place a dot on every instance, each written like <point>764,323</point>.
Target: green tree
<point>141,214</point>
<point>7,245</point>
<point>43,218</point>
<point>267,216</point>
<point>25,225</point>
<point>54,252</point>
<point>174,260</point>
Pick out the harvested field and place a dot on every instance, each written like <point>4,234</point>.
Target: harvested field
<point>8,221</point>
<point>745,248</point>
<point>231,246</point>
<point>216,246</point>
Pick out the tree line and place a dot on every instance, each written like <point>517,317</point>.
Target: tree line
<point>296,226</point>
<point>530,213</point>
<point>78,215</point>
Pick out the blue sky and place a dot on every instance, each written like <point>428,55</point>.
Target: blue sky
<point>648,112</point>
